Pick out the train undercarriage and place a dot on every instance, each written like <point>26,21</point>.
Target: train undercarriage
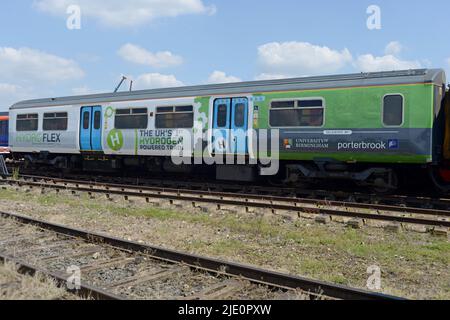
<point>377,178</point>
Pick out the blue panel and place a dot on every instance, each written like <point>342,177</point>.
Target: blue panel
<point>85,129</point>
<point>96,128</point>
<point>221,126</point>
<point>91,128</point>
<point>3,133</point>
<point>239,126</point>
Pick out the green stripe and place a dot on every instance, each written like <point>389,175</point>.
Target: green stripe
<point>136,142</point>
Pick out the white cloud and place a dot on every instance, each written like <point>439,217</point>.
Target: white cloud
<point>222,77</point>
<point>30,65</point>
<point>138,55</point>
<point>126,13</point>
<point>393,48</point>
<point>389,62</point>
<point>6,88</point>
<point>10,94</point>
<point>156,80</point>
<point>370,63</point>
<point>290,59</point>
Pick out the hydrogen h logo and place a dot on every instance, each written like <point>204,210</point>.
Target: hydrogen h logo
<point>115,140</point>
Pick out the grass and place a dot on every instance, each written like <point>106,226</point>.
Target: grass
<point>327,252</point>
<point>15,174</point>
<point>354,242</point>
<point>24,287</point>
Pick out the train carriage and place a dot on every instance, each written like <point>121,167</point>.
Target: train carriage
<point>361,127</point>
<point>4,131</point>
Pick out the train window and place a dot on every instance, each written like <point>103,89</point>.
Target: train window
<point>86,119</point>
<point>131,118</point>
<point>296,118</point>
<point>3,133</point>
<point>55,121</point>
<point>174,117</point>
<point>97,120</point>
<point>310,103</point>
<point>123,112</point>
<point>283,104</point>
<point>140,111</point>
<point>184,109</point>
<point>300,113</point>
<point>164,109</point>
<point>393,110</point>
<point>222,114</point>
<point>239,116</point>
<point>27,122</point>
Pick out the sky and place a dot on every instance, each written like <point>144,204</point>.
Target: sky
<point>52,48</point>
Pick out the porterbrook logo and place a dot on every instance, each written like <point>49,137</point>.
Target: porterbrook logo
<point>362,145</point>
<point>393,144</point>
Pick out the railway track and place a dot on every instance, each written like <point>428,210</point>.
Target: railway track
<point>412,199</point>
<point>116,269</point>
<point>248,202</point>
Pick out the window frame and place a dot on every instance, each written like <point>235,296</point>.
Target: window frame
<point>403,110</point>
<point>86,120</point>
<point>130,109</point>
<point>243,113</point>
<point>296,107</point>
<point>28,114</point>
<point>228,115</point>
<point>174,111</point>
<point>97,126</point>
<point>55,117</point>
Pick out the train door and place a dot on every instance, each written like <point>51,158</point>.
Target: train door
<point>91,129</point>
<point>230,126</point>
<point>239,126</point>
<point>221,126</point>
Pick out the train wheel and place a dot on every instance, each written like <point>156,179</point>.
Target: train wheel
<point>386,184</point>
<point>440,177</point>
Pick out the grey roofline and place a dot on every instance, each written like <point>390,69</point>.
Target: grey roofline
<point>322,82</point>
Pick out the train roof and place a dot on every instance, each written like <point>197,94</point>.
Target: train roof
<point>436,76</point>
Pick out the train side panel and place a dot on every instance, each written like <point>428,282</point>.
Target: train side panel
<point>352,128</point>
<point>151,138</point>
<point>28,135</point>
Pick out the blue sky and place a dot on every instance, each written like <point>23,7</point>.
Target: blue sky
<point>183,42</point>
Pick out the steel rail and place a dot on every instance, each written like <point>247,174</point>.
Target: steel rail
<point>380,207</point>
<point>253,274</point>
<point>417,202</point>
<point>84,291</point>
<point>247,204</point>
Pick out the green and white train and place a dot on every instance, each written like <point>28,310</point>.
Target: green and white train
<point>367,127</point>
